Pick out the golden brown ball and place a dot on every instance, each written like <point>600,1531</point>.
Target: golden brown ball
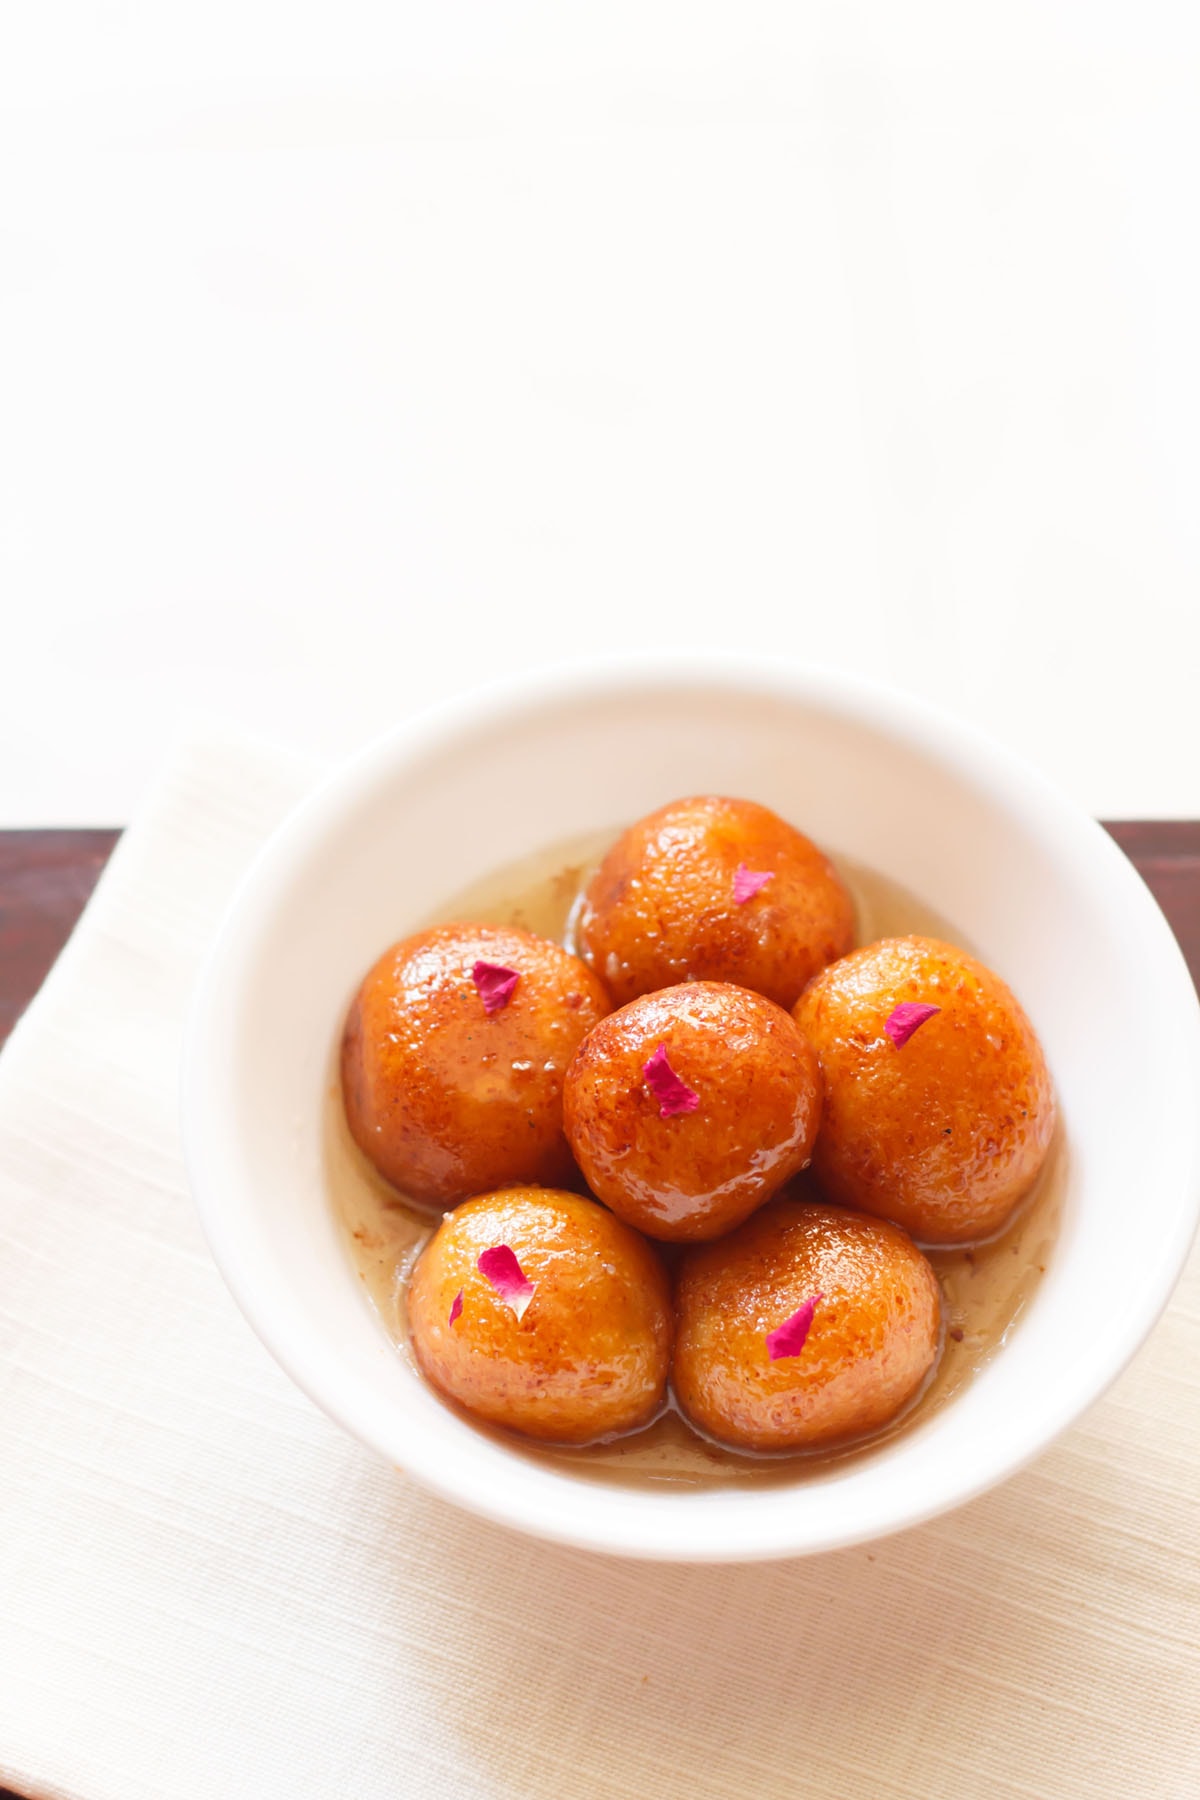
<point>582,1357</point>
<point>689,1168</point>
<point>447,1099</point>
<point>944,1133</point>
<point>663,906</point>
<point>873,1313</point>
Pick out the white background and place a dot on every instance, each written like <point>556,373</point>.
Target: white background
<point>352,354</point>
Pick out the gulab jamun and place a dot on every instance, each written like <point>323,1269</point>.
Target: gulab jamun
<point>690,1107</point>
<point>806,1326</point>
<point>563,1334</point>
<point>939,1108</point>
<point>452,1071</point>
<point>710,889</point>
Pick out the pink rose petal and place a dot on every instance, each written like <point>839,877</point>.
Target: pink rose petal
<point>790,1338</point>
<point>673,1095</point>
<point>455,1307</point>
<point>906,1018</point>
<point>502,1269</point>
<point>496,985</point>
<point>748,882</point>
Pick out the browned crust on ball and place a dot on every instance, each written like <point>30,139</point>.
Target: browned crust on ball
<point>873,1340</point>
<point>697,1174</point>
<point>947,1133</point>
<point>660,908</point>
<point>589,1357</point>
<point>443,1099</point>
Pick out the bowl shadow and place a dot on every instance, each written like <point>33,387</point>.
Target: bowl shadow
<point>975,1656</point>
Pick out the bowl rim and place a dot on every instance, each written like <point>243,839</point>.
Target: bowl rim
<point>990,768</point>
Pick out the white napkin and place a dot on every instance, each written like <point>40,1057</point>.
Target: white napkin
<point>208,1592</point>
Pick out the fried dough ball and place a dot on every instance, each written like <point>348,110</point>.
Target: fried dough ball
<point>944,1133</point>
<point>873,1338</point>
<point>661,908</point>
<point>588,1355</point>
<point>447,1099</point>
<point>688,1168</point>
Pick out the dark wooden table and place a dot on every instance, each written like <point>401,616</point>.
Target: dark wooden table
<point>45,880</point>
<point>46,877</point>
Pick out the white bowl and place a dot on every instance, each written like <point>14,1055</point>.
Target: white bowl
<point>1033,884</point>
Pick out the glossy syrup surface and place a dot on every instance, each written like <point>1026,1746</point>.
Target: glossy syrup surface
<point>985,1289</point>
